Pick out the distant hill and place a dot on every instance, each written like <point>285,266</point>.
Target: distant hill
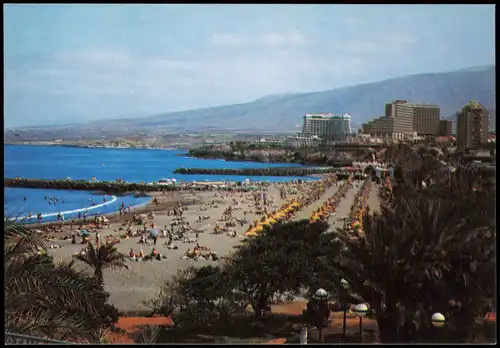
<point>364,102</point>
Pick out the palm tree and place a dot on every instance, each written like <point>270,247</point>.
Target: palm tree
<point>431,250</point>
<point>102,257</point>
<point>46,299</point>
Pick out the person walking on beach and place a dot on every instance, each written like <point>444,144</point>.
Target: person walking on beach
<point>58,216</point>
<point>170,237</point>
<point>79,215</point>
<point>154,239</point>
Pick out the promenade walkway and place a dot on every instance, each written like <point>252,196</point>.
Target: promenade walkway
<point>307,211</point>
<point>343,209</point>
<point>373,201</point>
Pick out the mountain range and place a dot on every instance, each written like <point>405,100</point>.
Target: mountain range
<point>449,90</point>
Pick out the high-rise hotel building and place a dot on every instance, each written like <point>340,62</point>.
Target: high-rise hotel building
<point>327,126</point>
<point>472,126</point>
<point>402,118</point>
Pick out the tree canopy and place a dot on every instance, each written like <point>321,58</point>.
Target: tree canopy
<point>47,299</point>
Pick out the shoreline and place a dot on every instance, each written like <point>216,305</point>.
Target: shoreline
<point>41,143</point>
<point>204,213</point>
<point>129,288</point>
<point>205,220</point>
<point>115,216</point>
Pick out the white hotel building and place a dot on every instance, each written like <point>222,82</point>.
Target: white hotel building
<point>327,126</point>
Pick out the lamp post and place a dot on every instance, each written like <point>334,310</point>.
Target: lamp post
<point>303,334</point>
<point>321,311</point>
<point>345,287</point>
<point>438,320</point>
<point>361,310</point>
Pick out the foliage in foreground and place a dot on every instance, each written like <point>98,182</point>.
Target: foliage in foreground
<point>101,257</point>
<point>280,262</point>
<point>48,299</point>
<point>268,268</point>
<point>431,250</point>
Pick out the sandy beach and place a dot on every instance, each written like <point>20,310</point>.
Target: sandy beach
<point>129,288</point>
<point>142,281</point>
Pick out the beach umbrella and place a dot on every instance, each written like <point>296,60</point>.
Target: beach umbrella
<point>94,178</point>
<point>174,180</point>
<point>154,232</point>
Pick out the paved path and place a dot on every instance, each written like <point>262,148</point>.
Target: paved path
<point>373,201</point>
<point>343,209</point>
<point>307,211</point>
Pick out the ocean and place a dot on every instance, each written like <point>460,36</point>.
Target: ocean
<point>134,165</point>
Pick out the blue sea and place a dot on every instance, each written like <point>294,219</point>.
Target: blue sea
<point>133,165</point>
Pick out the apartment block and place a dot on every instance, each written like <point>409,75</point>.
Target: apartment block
<point>402,113</point>
<point>426,119</point>
<point>445,127</point>
<point>327,126</point>
<point>403,119</point>
<point>472,126</point>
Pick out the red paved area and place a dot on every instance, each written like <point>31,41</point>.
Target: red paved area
<point>129,324</point>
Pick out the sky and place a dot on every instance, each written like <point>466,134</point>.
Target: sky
<point>77,63</point>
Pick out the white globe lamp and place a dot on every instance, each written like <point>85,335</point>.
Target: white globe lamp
<point>320,294</point>
<point>438,320</point>
<point>361,310</point>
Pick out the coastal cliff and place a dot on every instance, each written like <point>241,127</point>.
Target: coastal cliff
<point>306,156</point>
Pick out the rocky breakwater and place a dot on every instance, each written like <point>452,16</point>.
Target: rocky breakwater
<point>342,173</point>
<point>109,187</point>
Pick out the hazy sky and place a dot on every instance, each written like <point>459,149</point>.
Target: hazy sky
<point>68,63</point>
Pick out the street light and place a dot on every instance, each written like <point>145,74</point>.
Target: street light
<point>345,287</point>
<point>438,320</point>
<point>361,310</point>
<point>320,311</point>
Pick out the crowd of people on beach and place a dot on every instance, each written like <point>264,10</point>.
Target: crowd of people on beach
<point>329,207</point>
<point>355,222</point>
<point>142,227</point>
<point>304,196</point>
